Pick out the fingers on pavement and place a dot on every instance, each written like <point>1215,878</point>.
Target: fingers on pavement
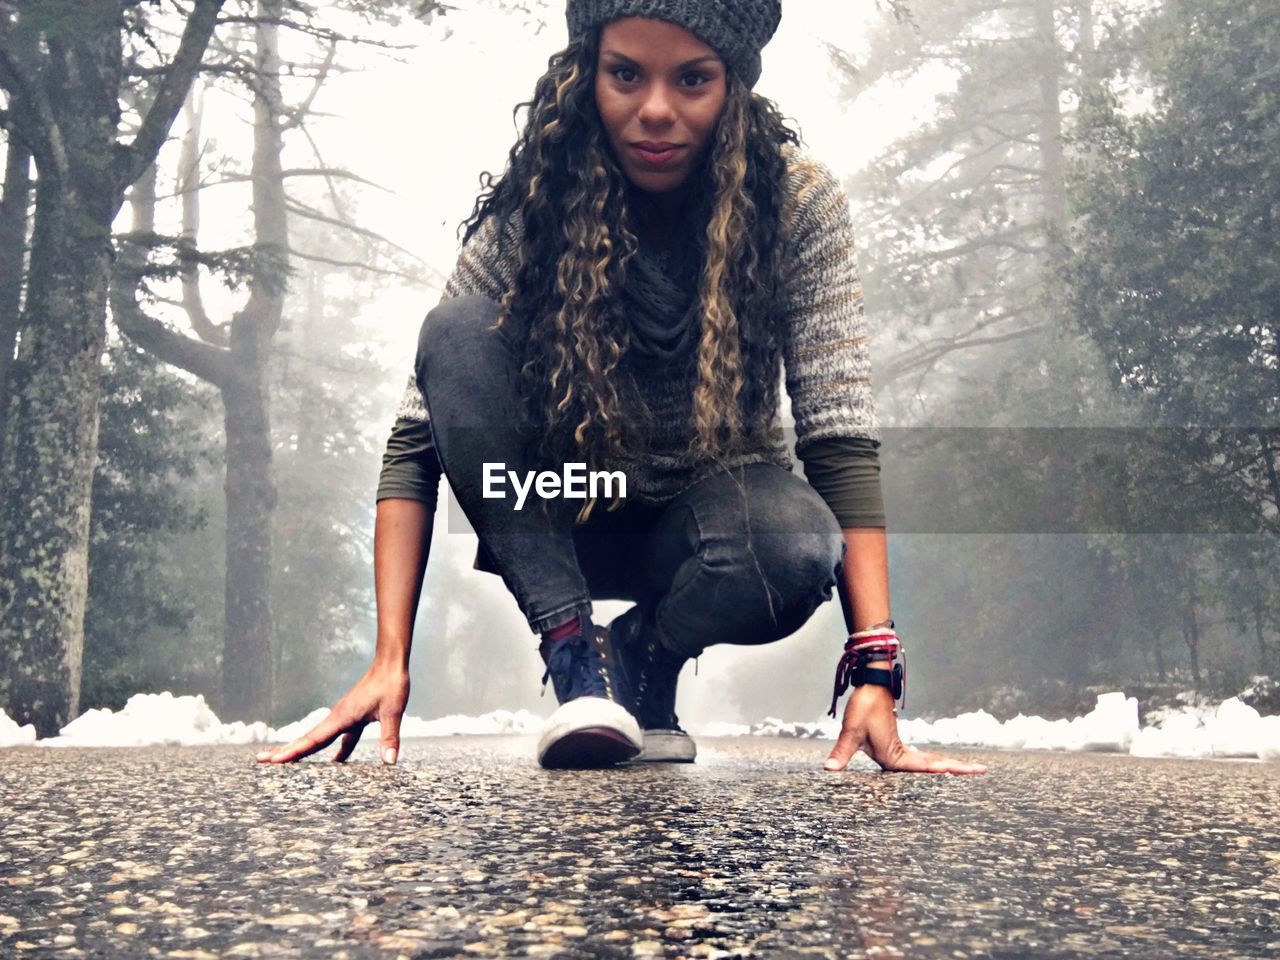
<point>317,738</point>
<point>846,746</point>
<point>389,747</point>
<point>349,740</point>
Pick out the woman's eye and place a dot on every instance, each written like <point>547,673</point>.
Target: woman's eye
<point>626,74</point>
<point>694,79</point>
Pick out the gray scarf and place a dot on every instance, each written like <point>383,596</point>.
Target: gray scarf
<point>661,301</point>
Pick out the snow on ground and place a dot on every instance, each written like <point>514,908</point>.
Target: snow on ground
<point>12,735</point>
<point>1232,729</point>
<point>161,719</point>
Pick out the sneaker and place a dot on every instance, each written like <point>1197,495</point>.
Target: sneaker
<point>654,671</point>
<point>592,728</point>
<point>669,745</point>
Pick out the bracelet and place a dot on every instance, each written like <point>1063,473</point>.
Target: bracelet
<point>875,644</point>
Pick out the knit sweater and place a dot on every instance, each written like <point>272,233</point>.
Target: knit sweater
<point>825,360</point>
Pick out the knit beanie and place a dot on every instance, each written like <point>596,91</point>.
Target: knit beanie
<point>736,29</point>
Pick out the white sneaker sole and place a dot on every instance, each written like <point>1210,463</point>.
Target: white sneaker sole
<point>589,733</point>
<point>667,746</point>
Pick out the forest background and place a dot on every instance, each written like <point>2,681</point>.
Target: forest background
<point>223,220</point>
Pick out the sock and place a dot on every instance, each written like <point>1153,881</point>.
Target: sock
<point>556,634</point>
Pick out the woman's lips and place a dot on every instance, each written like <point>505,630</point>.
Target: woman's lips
<point>656,154</point>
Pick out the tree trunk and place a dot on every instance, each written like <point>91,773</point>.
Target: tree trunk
<point>1264,654</point>
<point>1191,628</point>
<point>51,436</point>
<point>1049,78</point>
<point>53,389</point>
<point>14,210</point>
<point>1161,670</point>
<point>247,681</point>
<point>64,104</point>
<point>236,358</point>
<point>1087,49</point>
<point>251,496</point>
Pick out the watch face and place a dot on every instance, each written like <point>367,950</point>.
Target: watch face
<point>898,679</point>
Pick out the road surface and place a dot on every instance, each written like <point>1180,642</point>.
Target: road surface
<point>468,849</point>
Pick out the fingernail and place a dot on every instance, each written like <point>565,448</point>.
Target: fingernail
<point>389,755</point>
<point>832,764</point>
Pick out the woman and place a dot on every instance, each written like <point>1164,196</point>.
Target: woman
<point>625,300</point>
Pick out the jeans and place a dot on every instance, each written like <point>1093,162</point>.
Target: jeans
<point>745,555</point>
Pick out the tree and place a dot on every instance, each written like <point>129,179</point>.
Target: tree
<point>15,211</point>
<point>957,214</point>
<point>1173,267</point>
<point>235,358</point>
<point>61,67</point>
<point>152,460</point>
<point>238,355</point>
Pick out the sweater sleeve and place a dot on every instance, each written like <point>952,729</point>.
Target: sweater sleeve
<point>828,367</point>
<point>846,473</point>
<point>410,467</point>
<point>485,267</point>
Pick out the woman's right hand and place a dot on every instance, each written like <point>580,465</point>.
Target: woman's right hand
<point>381,694</point>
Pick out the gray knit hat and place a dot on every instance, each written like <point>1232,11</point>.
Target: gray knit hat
<point>737,29</point>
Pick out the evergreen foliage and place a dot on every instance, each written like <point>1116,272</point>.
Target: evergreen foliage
<point>152,458</point>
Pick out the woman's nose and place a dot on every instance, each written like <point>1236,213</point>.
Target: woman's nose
<point>657,107</point>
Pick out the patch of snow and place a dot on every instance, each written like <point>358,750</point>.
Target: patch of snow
<point>156,719</point>
<point>292,731</point>
<point>161,719</point>
<point>720,728</point>
<point>1110,727</point>
<point>494,722</point>
<point>12,735</point>
<point>827,729</point>
<point>1231,729</point>
<point>454,725</point>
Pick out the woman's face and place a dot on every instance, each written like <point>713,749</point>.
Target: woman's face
<point>660,91</point>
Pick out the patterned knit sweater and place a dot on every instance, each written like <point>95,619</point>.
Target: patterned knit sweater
<point>825,354</point>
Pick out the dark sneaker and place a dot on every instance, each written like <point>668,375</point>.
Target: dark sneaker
<point>593,727</point>
<point>653,671</point>
<point>670,745</point>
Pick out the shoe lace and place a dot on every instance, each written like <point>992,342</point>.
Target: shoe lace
<point>576,658</point>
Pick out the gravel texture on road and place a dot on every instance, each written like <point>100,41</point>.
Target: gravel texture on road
<point>468,849</point>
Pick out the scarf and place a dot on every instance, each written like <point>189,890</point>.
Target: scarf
<point>661,301</point>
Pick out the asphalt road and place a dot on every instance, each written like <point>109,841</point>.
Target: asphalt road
<point>468,849</point>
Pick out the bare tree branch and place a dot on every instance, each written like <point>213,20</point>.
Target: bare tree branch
<point>201,359</point>
<point>318,32</point>
<point>358,265</point>
<point>298,113</point>
<point>311,213</point>
<point>924,358</point>
<point>335,172</point>
<point>42,136</point>
<point>188,186</point>
<point>333,190</point>
<point>139,155</point>
<point>1004,239</point>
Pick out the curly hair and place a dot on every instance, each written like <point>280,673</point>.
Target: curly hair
<point>576,208</point>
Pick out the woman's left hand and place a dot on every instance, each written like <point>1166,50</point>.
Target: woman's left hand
<point>870,725</point>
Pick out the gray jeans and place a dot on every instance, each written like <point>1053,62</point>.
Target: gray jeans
<point>742,556</point>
